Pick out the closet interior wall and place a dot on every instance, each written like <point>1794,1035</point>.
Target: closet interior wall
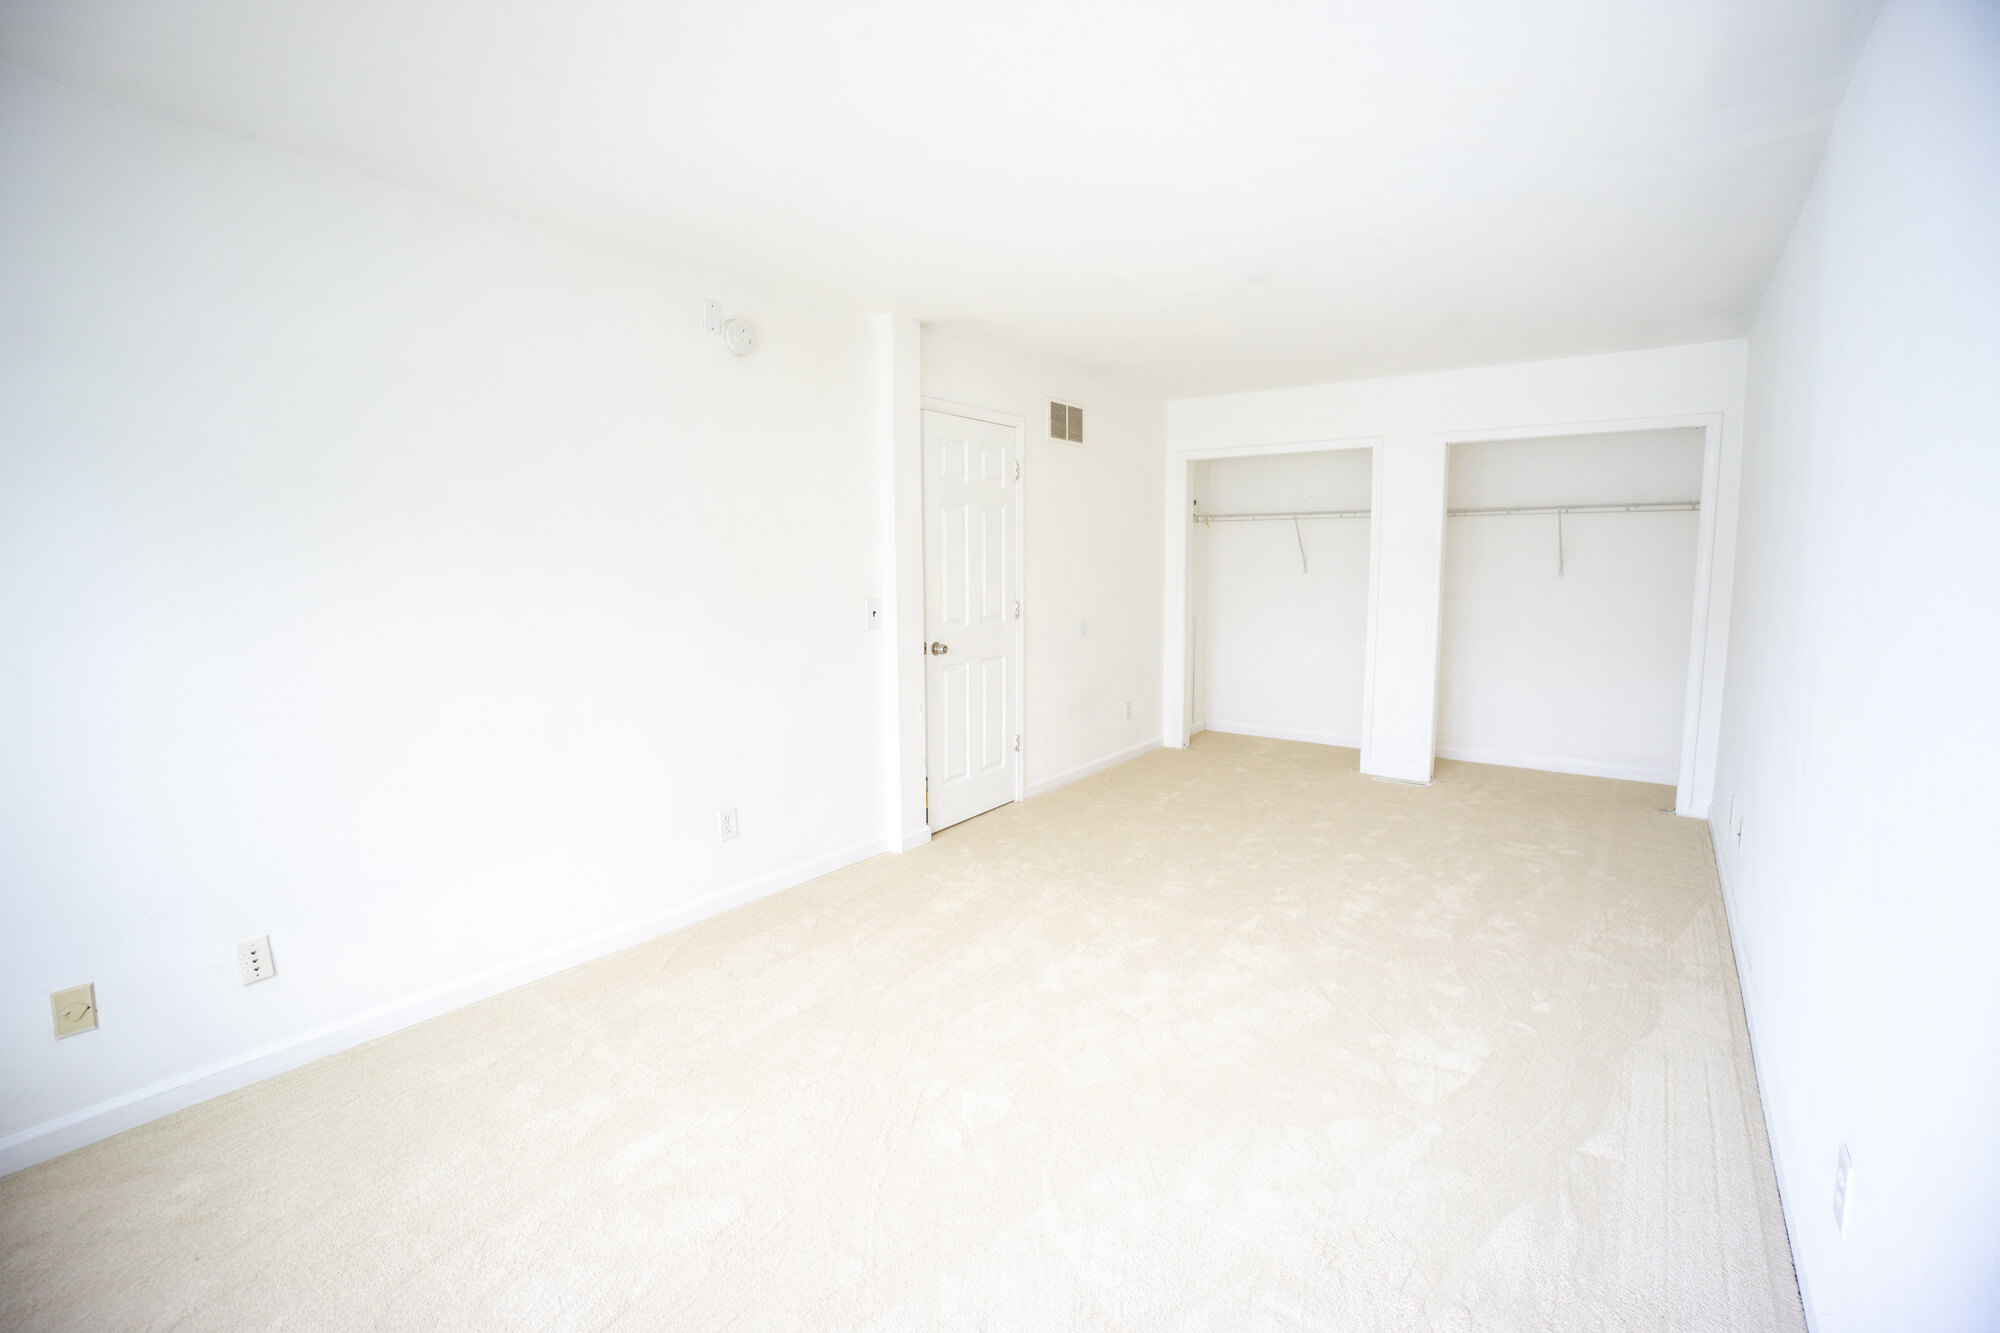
<point>1279,608</point>
<point>1565,638</point>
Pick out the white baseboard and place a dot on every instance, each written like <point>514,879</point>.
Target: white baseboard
<point>1551,763</point>
<point>1069,775</point>
<point>914,838</point>
<point>1284,733</point>
<point>1765,1101</point>
<point>39,1143</point>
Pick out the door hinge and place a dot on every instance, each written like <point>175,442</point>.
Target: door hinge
<point>1017,742</point>
<point>1017,469</point>
<point>1017,608</point>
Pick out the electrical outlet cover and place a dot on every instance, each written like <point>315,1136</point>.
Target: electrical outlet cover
<point>75,1009</point>
<point>254,962</point>
<point>725,823</point>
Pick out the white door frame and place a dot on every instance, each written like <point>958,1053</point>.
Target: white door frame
<point>1017,571</point>
<point>1178,720</point>
<point>1696,698</point>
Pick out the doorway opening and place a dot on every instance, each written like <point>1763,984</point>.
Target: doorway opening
<point>1569,598</point>
<point>1279,565</point>
<point>972,642</point>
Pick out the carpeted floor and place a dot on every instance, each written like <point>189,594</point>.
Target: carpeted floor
<point>1225,1038</point>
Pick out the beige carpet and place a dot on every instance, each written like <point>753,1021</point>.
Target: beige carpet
<point>1226,1038</point>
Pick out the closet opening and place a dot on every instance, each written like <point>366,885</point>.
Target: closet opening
<point>1570,595</point>
<point>1278,560</point>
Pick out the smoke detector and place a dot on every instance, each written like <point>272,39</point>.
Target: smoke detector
<point>738,335</point>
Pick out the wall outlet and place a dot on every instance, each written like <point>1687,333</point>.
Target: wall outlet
<point>75,1009</point>
<point>726,822</point>
<point>711,317</point>
<point>254,962</point>
<point>1128,710</point>
<point>1843,1189</point>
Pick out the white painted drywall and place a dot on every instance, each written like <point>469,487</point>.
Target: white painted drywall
<point>1284,647</point>
<point>1573,660</point>
<point>1091,550</point>
<point>899,553</point>
<point>1196,711</point>
<point>1410,418</point>
<point>414,583</point>
<point>403,580</point>
<point>1858,751</point>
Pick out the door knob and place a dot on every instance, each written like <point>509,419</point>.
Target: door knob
<point>940,649</point>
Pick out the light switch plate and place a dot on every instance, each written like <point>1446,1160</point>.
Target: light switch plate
<point>75,1009</point>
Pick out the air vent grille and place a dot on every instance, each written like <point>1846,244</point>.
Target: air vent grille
<point>1065,422</point>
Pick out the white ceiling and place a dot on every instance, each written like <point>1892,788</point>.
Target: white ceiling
<point>1192,198</point>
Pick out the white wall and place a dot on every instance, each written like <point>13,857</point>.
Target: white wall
<point>1194,682</point>
<point>1859,749</point>
<point>899,538</point>
<point>1283,648</point>
<point>1573,660</point>
<point>1091,552</point>
<point>394,577</point>
<point>1411,418</point>
<point>414,583</point>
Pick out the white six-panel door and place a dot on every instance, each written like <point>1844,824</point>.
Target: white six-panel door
<point>971,606</point>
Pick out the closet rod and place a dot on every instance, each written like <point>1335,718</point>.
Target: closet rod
<point>1666,507</point>
<point>1251,518</point>
<point>1671,507</point>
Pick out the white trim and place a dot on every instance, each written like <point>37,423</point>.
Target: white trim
<point>995,417</point>
<point>991,416</point>
<point>900,384</point>
<point>1765,1102</point>
<point>1236,728</point>
<point>52,1138</point>
<point>1069,775</point>
<point>1554,429</point>
<point>1693,788</point>
<point>1690,796</point>
<point>1287,447</point>
<point>1555,763</point>
<point>914,838</point>
<point>1375,469</point>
